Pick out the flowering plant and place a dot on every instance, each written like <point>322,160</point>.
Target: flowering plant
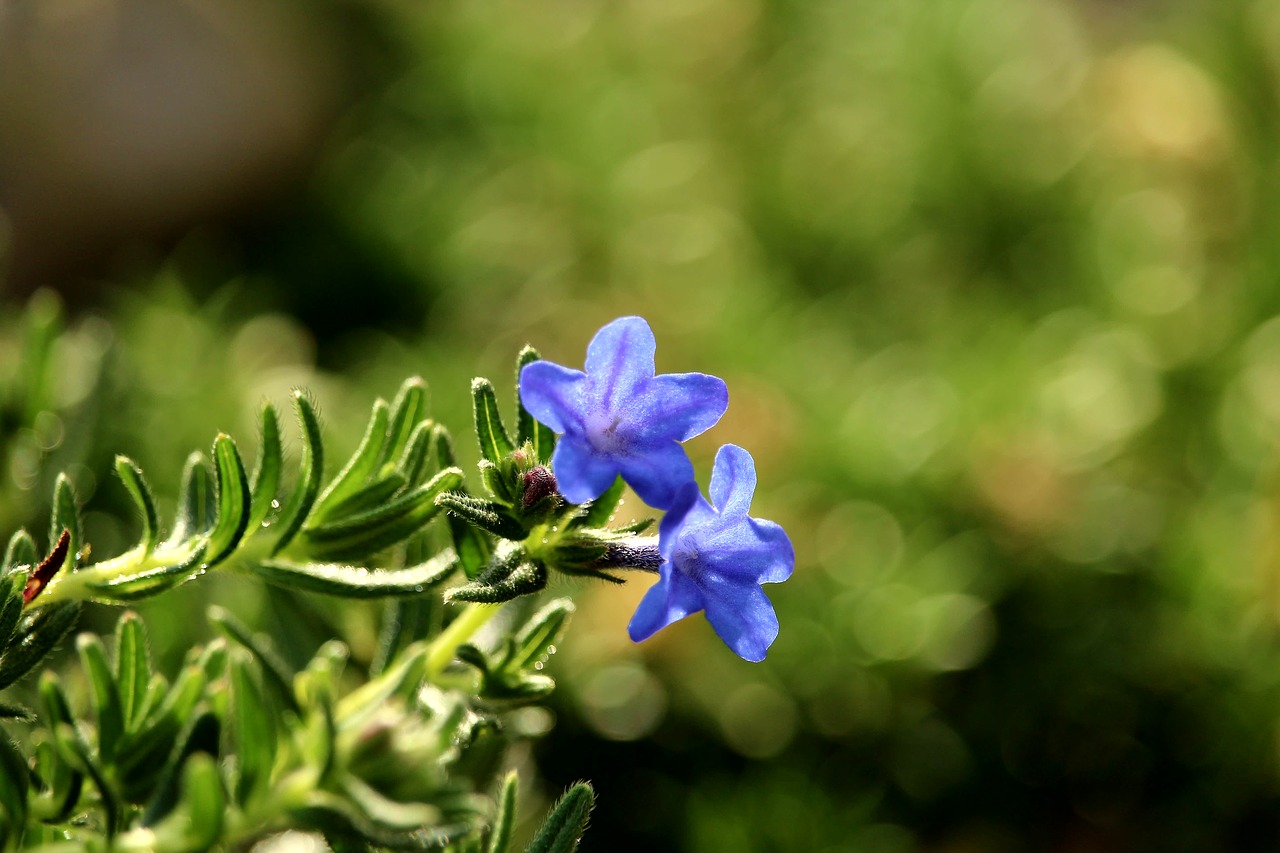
<point>404,751</point>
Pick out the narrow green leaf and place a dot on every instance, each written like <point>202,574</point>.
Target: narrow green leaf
<point>530,430</point>
<point>504,820</point>
<point>359,468</point>
<point>304,494</point>
<point>404,621</point>
<point>358,582</point>
<point>76,752</point>
<point>14,711</point>
<point>253,727</point>
<point>196,507</point>
<point>567,821</point>
<point>415,462</point>
<point>487,515</point>
<point>540,633</point>
<point>11,601</point>
<point>442,442</point>
<point>407,411</point>
<point>239,633</point>
<point>599,512</point>
<point>133,668</point>
<point>136,484</point>
<point>60,786</point>
<point>205,799</point>
<point>494,441</point>
<point>201,736</point>
<point>21,551</point>
<point>473,548</point>
<point>14,785</point>
<point>526,579</point>
<point>266,471</point>
<point>66,516</point>
<point>370,496</point>
<point>150,582</point>
<point>103,694</point>
<point>233,500</point>
<point>37,634</point>
<point>361,535</point>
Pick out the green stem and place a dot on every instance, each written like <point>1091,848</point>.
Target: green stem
<point>459,631</point>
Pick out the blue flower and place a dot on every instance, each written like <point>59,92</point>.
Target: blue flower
<point>619,418</point>
<point>715,558</point>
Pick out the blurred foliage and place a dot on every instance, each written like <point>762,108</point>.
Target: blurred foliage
<point>993,285</point>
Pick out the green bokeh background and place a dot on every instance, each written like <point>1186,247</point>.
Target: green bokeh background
<point>993,284</point>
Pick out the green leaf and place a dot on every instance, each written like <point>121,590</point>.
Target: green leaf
<point>21,551</point>
<point>473,548</point>
<point>37,634</point>
<point>442,441</point>
<point>133,668</point>
<point>404,621</point>
<point>239,633</point>
<point>494,441</point>
<point>150,582</point>
<point>358,582</point>
<point>196,506</point>
<point>415,462</point>
<point>59,784</point>
<point>66,516</point>
<point>567,821</point>
<point>540,633</point>
<point>407,411</point>
<point>266,471</point>
<point>361,466</point>
<point>364,534</point>
<point>525,579</point>
<point>106,699</point>
<point>200,737</point>
<point>11,602</point>
<point>505,818</point>
<point>136,484</point>
<point>530,430</point>
<point>14,785</point>
<point>487,515</point>
<point>14,711</point>
<point>205,801</point>
<point>233,501</point>
<point>253,728</point>
<point>77,753</point>
<point>304,494</point>
<point>370,496</point>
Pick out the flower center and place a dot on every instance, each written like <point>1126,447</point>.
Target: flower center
<point>687,559</point>
<point>604,435</point>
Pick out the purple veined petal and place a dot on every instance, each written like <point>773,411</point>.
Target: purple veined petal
<point>747,550</point>
<point>682,405</point>
<point>553,395</point>
<point>657,474</point>
<point>669,600</point>
<point>743,617</point>
<point>581,473</point>
<point>620,362</point>
<point>777,545</point>
<point>733,481</point>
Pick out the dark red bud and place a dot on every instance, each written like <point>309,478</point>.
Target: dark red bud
<point>538,483</point>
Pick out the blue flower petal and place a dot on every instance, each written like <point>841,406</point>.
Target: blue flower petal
<point>669,600</point>
<point>581,473</point>
<point>657,474</point>
<point>744,618</point>
<point>733,481</point>
<point>620,362</point>
<point>689,403</point>
<point>553,395</point>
